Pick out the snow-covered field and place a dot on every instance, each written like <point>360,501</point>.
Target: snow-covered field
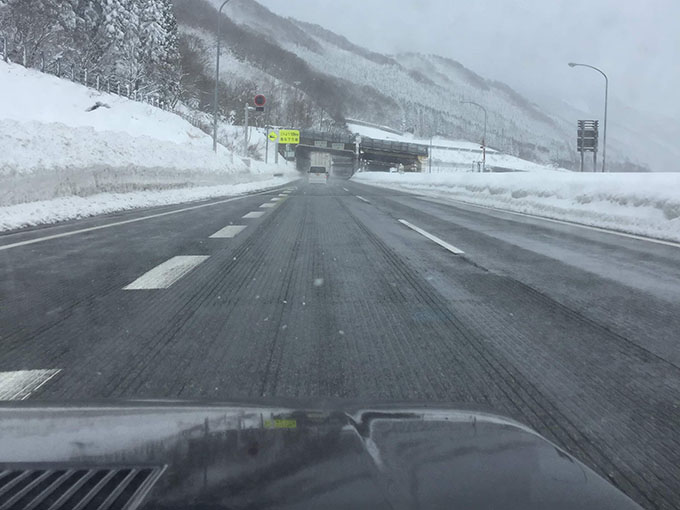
<point>53,151</point>
<point>645,204</point>
<point>437,141</point>
<point>453,155</point>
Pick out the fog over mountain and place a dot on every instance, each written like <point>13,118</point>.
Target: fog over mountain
<point>527,45</point>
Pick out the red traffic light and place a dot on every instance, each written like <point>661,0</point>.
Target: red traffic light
<point>260,100</point>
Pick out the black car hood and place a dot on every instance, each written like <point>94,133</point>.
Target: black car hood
<point>244,456</point>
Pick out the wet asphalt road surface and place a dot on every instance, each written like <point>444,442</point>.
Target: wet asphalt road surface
<point>327,294</point>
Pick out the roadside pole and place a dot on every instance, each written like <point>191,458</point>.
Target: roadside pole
<point>276,153</point>
<point>245,134</point>
<point>217,74</point>
<point>430,155</point>
<point>266,146</point>
<point>484,152</point>
<point>357,143</point>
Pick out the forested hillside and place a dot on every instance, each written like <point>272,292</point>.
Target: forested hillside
<point>135,40</point>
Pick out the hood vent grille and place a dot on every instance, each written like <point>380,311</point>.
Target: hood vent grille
<point>35,487</point>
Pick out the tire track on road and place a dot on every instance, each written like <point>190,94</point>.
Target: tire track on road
<point>522,397</point>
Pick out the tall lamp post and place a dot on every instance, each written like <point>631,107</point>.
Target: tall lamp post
<point>606,93</point>
<point>484,137</point>
<point>217,72</point>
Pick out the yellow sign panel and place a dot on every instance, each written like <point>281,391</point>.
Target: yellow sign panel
<point>273,136</point>
<point>289,136</point>
<point>280,424</point>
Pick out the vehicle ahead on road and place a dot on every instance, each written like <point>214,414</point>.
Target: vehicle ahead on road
<point>320,167</point>
<point>318,175</point>
<point>191,456</point>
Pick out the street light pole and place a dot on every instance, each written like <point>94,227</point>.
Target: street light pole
<point>217,72</point>
<point>606,94</point>
<point>484,138</point>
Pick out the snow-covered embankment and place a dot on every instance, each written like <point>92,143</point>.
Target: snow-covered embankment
<point>60,160</point>
<point>645,204</point>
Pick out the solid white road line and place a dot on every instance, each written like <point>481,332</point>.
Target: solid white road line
<point>551,220</point>
<point>125,222</point>
<point>433,238</point>
<point>164,275</point>
<point>362,198</point>
<point>228,231</point>
<point>254,214</point>
<point>19,385</point>
<point>268,205</point>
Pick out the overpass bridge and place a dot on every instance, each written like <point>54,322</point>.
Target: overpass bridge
<point>364,151</point>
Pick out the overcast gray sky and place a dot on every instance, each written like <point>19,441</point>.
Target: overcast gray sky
<point>525,43</point>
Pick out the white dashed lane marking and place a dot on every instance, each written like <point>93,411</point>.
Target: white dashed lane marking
<point>362,198</point>
<point>254,214</point>
<point>228,231</point>
<point>20,384</point>
<point>124,222</point>
<point>275,199</point>
<point>164,275</point>
<point>552,220</point>
<point>268,205</point>
<point>433,238</point>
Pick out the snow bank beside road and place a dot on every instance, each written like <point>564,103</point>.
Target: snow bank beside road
<point>56,151</point>
<point>645,204</point>
<point>44,161</point>
<point>75,207</point>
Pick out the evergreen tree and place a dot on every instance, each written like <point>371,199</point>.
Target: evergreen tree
<point>170,60</point>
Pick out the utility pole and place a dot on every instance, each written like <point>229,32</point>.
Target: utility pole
<point>430,156</point>
<point>357,143</point>
<point>483,136</point>
<point>217,73</point>
<point>245,130</point>
<point>606,94</point>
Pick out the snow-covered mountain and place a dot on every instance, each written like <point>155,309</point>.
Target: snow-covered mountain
<point>312,74</point>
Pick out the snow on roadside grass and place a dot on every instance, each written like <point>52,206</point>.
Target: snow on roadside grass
<point>28,95</point>
<point>645,204</point>
<point>75,207</point>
